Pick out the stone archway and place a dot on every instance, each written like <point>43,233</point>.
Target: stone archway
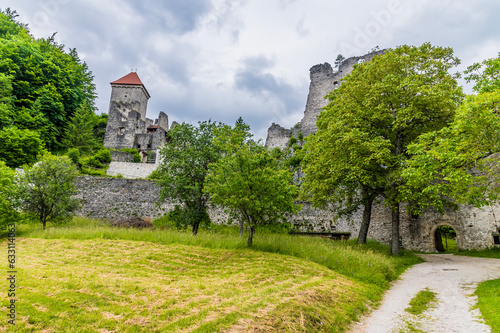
<point>435,235</point>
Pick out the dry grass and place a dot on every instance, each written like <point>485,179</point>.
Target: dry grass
<point>129,286</point>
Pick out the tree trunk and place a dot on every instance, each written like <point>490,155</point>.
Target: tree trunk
<point>195,227</point>
<point>241,223</point>
<point>44,222</point>
<point>395,231</point>
<point>367,215</point>
<point>250,236</point>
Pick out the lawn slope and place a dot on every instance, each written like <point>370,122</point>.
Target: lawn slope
<point>130,286</point>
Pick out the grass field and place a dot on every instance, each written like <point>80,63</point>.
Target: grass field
<point>87,277</point>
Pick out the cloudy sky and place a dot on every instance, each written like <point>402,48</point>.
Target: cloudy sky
<point>221,59</point>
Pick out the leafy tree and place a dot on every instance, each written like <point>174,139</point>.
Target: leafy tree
<point>381,107</point>
<point>486,75</point>
<point>7,193</point>
<point>457,164</point>
<point>46,189</point>
<point>250,182</point>
<point>80,131</point>
<point>184,166</point>
<point>46,80</point>
<point>19,146</point>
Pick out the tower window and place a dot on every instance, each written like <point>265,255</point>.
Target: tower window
<point>496,239</point>
<point>121,130</point>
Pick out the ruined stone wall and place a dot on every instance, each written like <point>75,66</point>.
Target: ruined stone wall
<point>323,79</point>
<point>474,226</point>
<point>112,198</point>
<point>131,170</point>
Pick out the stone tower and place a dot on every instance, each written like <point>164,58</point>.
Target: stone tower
<point>127,112</point>
<point>323,80</point>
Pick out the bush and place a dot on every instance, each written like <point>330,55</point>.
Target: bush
<point>74,155</point>
<point>180,218</point>
<point>134,152</point>
<point>103,156</point>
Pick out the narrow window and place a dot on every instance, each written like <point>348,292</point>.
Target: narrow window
<point>121,130</point>
<point>496,239</point>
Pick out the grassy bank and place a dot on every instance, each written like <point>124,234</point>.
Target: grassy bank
<point>87,276</point>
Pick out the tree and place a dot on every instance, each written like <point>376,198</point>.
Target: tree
<point>486,75</point>
<point>46,189</point>
<point>7,193</point>
<point>19,147</point>
<point>381,107</point>
<point>457,163</point>
<point>46,80</point>
<point>184,166</point>
<point>80,131</point>
<point>339,60</point>
<point>250,182</point>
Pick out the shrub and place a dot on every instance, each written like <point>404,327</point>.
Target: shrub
<point>103,156</point>
<point>74,155</point>
<point>134,152</point>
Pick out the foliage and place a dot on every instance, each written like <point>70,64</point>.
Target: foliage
<point>45,189</point>
<point>339,60</point>
<point>19,146</point>
<point>184,166</point>
<point>7,193</point>
<point>48,83</point>
<point>74,155</point>
<point>80,131</point>
<point>381,107</point>
<point>450,165</point>
<point>134,152</point>
<point>250,182</point>
<point>181,217</point>
<point>485,75</point>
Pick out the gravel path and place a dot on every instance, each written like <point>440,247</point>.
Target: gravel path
<point>453,278</point>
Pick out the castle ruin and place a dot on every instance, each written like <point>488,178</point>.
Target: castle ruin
<point>128,126</point>
<point>476,228</point>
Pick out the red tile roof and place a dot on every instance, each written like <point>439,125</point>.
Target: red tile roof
<point>131,78</point>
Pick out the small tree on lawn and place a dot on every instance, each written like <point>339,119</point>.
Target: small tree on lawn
<point>45,190</point>
<point>250,182</point>
<point>184,166</point>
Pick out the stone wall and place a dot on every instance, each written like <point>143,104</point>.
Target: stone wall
<point>121,156</point>
<point>131,170</point>
<point>112,198</point>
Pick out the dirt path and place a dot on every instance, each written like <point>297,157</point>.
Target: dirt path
<point>453,278</point>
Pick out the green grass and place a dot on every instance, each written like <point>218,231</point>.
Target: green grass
<point>86,276</point>
<point>488,293</point>
<point>368,263</point>
<point>422,301</point>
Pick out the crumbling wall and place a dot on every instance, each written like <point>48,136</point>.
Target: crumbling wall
<point>323,79</point>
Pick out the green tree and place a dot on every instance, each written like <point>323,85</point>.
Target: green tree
<point>46,189</point>
<point>7,193</point>
<point>80,131</point>
<point>46,80</point>
<point>381,107</point>
<point>457,163</point>
<point>19,147</point>
<point>485,75</point>
<point>250,182</point>
<point>184,166</point>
